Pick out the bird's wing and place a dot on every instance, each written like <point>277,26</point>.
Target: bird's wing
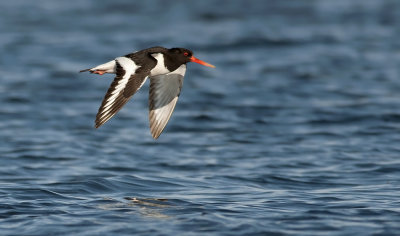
<point>128,80</point>
<point>164,93</point>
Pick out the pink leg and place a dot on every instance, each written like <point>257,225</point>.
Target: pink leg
<point>100,72</point>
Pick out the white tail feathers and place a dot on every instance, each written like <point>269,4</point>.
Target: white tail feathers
<point>108,67</point>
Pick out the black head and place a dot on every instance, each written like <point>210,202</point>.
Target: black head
<point>183,56</point>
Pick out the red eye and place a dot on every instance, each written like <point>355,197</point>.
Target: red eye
<point>185,54</point>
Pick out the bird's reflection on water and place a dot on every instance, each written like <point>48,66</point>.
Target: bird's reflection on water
<point>148,207</point>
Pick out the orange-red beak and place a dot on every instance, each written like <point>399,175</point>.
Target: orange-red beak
<point>193,59</point>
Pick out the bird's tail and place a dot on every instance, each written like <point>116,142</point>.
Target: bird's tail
<point>84,70</point>
<point>108,67</point>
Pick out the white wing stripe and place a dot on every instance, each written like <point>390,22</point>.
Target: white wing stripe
<point>129,67</point>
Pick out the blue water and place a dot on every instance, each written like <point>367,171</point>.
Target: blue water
<point>295,132</point>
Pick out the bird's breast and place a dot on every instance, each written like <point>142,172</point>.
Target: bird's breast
<point>160,68</point>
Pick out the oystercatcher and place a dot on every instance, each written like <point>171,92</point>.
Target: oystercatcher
<point>165,68</point>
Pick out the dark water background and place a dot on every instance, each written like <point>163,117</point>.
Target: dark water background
<point>296,132</point>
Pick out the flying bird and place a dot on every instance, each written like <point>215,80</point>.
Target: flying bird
<point>165,68</point>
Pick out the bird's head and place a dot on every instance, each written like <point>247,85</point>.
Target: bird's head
<point>185,55</point>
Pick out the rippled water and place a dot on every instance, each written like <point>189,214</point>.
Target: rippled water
<point>296,132</point>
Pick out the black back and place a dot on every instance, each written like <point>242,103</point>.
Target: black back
<point>173,58</point>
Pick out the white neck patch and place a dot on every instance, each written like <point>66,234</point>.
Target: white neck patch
<point>160,68</point>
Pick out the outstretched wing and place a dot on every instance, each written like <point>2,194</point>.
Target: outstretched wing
<point>164,93</point>
<point>129,79</point>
